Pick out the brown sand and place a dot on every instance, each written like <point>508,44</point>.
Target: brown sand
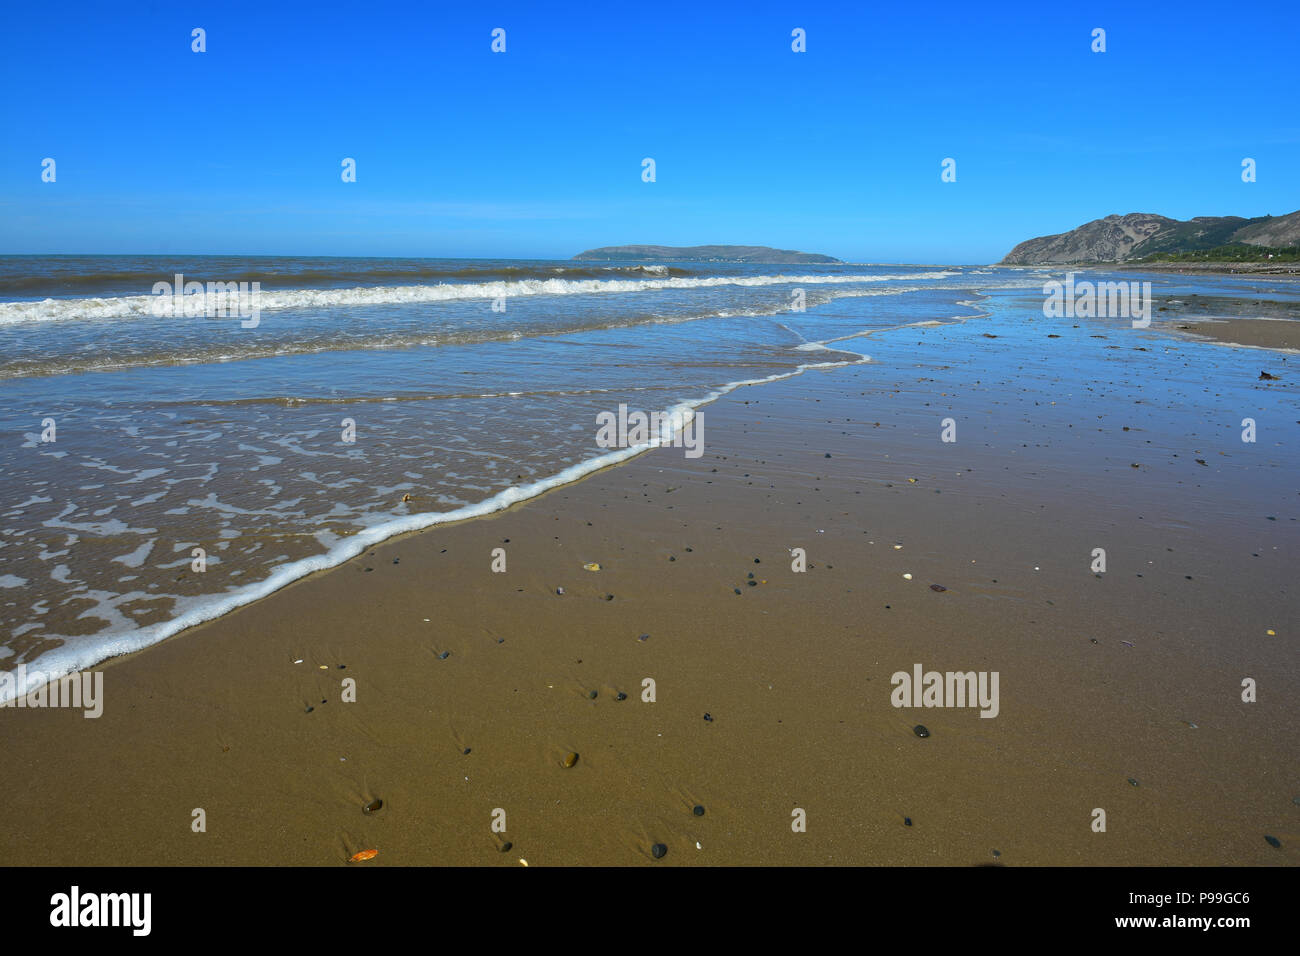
<point>794,671</point>
<point>1258,333</point>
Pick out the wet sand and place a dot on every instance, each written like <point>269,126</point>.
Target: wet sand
<point>1257,333</point>
<point>1094,437</point>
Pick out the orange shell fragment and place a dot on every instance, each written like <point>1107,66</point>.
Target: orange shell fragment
<point>363,856</point>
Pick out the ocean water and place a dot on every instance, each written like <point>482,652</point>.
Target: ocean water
<point>469,385</point>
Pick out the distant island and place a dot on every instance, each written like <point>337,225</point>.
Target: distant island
<point>1146,237</point>
<point>754,254</point>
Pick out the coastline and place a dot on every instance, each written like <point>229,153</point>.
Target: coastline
<point>794,670</point>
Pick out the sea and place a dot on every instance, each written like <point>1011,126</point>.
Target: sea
<point>172,455</point>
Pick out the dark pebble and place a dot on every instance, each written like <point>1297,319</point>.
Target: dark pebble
<point>444,655</point>
<point>737,590</point>
<point>506,847</point>
<point>671,558</point>
<point>644,637</point>
<point>753,584</point>
<point>620,696</point>
<point>907,821</point>
<point>374,806</point>
<point>920,730</point>
<point>1132,781</point>
<point>343,667</point>
<point>658,851</point>
<point>937,587</point>
<point>698,810</point>
<point>1273,841</point>
<point>709,718</point>
<point>997,852</point>
<point>310,709</point>
<point>756,561</point>
<point>591,694</point>
<point>466,751</point>
<point>750,575</point>
<point>609,597</point>
<point>690,549</point>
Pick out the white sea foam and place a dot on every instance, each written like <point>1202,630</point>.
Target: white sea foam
<point>73,656</point>
<point>142,306</point>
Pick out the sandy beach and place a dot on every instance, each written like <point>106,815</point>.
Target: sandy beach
<point>1119,690</point>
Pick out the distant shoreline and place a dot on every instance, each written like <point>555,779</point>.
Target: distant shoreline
<point>1214,268</point>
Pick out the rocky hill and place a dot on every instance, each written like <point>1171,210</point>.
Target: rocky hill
<point>1139,234</point>
<point>755,254</point>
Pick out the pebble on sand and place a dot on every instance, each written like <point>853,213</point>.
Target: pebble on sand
<point>591,694</point>
<point>1132,781</point>
<point>620,696</point>
<point>709,718</point>
<point>937,587</point>
<point>920,730</point>
<point>698,810</point>
<point>506,847</point>
<point>570,759</point>
<point>374,806</point>
<point>658,851</point>
<point>1273,841</point>
<point>907,821</point>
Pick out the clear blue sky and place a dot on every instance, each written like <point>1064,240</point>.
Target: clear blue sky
<point>537,152</point>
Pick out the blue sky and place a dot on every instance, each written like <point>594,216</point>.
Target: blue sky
<point>537,152</point>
